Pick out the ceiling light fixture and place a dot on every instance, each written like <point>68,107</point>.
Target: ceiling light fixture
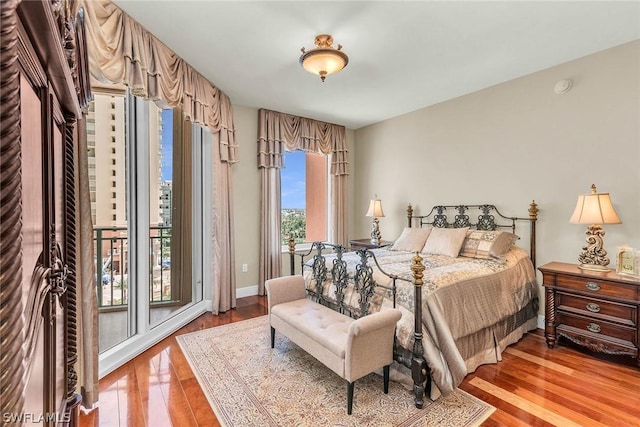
<point>324,59</point>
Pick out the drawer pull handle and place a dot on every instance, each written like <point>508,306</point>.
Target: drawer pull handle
<point>594,328</point>
<point>593,286</point>
<point>593,307</point>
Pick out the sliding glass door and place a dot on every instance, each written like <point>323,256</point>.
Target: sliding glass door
<point>146,189</point>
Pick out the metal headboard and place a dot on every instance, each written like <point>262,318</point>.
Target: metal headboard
<point>485,217</point>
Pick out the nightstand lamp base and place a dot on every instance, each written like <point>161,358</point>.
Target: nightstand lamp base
<point>594,267</point>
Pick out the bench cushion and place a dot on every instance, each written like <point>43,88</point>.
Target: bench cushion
<point>321,324</point>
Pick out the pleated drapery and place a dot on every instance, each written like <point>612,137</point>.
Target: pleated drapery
<point>122,51</point>
<point>224,262</point>
<point>280,132</point>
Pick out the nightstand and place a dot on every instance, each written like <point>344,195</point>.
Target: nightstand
<point>366,244</point>
<point>599,311</point>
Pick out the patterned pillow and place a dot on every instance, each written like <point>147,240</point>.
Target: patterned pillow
<point>445,241</point>
<point>411,239</point>
<point>487,244</point>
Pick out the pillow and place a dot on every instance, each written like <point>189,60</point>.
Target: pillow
<point>445,241</point>
<point>411,239</point>
<point>487,244</point>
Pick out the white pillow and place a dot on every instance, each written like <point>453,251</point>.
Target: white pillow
<point>411,239</point>
<point>445,241</point>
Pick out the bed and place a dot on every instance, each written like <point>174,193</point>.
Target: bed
<point>465,289</point>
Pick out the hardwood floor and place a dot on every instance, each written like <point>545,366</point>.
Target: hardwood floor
<point>532,386</point>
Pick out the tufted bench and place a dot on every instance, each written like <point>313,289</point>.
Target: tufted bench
<point>352,348</point>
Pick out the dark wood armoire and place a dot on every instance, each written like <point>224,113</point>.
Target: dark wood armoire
<point>44,89</point>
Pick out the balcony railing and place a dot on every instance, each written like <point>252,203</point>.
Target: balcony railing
<point>112,268</point>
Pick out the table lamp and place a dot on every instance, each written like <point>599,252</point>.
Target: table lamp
<point>375,211</point>
<point>594,209</point>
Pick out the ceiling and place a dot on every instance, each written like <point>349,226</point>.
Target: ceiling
<point>403,55</point>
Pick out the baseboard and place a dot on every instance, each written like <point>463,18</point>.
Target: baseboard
<point>540,321</point>
<point>247,291</point>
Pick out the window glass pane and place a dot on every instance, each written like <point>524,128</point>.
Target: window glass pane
<point>106,148</point>
<point>293,196</point>
<point>304,197</point>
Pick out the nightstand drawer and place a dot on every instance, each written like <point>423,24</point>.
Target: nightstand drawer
<point>597,287</point>
<point>604,310</point>
<point>599,328</point>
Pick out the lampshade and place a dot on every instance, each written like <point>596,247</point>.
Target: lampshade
<point>324,59</point>
<point>375,209</point>
<point>594,208</point>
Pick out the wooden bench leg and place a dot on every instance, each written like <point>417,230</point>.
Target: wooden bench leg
<point>273,337</point>
<point>349,397</point>
<point>385,371</point>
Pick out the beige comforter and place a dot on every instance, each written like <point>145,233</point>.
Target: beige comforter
<point>465,304</point>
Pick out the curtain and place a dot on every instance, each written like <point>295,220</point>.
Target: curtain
<point>280,132</point>
<point>224,278</point>
<point>270,202</point>
<point>87,310</point>
<point>181,226</point>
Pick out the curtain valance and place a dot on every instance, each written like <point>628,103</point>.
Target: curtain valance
<point>280,132</point>
<point>122,51</point>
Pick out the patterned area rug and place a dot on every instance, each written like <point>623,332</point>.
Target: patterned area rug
<point>249,384</point>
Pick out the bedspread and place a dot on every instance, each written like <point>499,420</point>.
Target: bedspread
<point>465,303</point>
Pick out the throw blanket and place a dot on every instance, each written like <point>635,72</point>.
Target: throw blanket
<point>467,305</point>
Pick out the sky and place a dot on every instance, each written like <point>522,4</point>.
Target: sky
<point>167,145</point>
<point>292,178</point>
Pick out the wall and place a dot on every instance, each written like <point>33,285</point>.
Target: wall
<point>512,143</point>
<point>246,198</point>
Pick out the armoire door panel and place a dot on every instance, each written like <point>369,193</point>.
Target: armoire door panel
<point>44,70</point>
<point>32,180</point>
<point>35,386</point>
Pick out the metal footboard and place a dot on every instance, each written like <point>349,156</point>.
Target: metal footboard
<point>365,286</point>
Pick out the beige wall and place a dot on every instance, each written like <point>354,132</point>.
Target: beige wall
<point>512,143</point>
<point>246,198</point>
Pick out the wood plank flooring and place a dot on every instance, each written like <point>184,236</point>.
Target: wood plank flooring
<point>532,386</point>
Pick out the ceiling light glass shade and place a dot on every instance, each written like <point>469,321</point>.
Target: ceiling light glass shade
<point>324,59</point>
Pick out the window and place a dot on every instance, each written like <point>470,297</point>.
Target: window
<point>304,193</point>
<point>141,281</point>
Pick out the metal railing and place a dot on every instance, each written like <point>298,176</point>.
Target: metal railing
<point>112,281</point>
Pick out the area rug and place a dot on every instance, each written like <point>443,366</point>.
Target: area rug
<point>249,384</point>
